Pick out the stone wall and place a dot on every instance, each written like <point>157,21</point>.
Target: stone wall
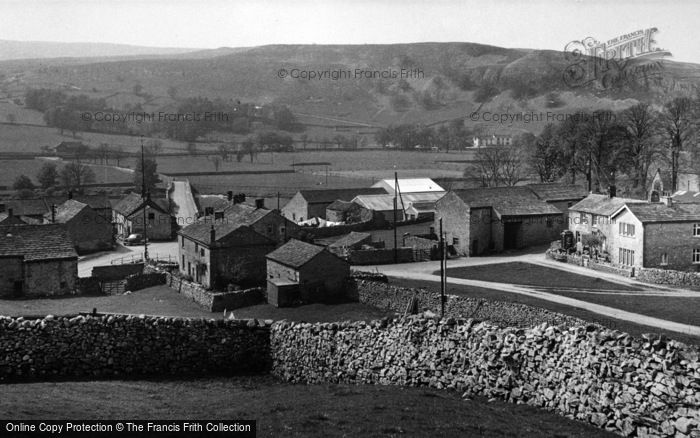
<point>647,387</point>
<point>142,281</point>
<point>589,263</point>
<point>120,345</point>
<point>667,276</point>
<point>380,256</point>
<point>392,298</point>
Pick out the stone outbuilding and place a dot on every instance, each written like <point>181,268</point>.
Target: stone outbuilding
<point>89,230</point>
<point>129,219</point>
<point>308,204</point>
<point>301,272</point>
<point>37,260</point>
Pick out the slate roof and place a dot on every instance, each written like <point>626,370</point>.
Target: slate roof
<point>686,197</point>
<point>217,203</point>
<point>96,202</point>
<point>558,192</point>
<point>295,253</point>
<point>235,217</point>
<point>386,202</point>
<point>67,211</point>
<point>37,242</point>
<point>342,205</point>
<point>131,203</point>
<point>602,205</point>
<point>329,195</point>
<point>659,212</point>
<point>507,201</point>
<point>201,232</point>
<point>26,207</point>
<point>410,185</point>
<point>351,239</point>
<point>6,219</point>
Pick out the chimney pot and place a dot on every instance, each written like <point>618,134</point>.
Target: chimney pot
<point>229,195</point>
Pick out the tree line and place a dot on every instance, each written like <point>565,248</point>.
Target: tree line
<point>600,147</point>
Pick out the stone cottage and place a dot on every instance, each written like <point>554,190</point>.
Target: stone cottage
<point>89,230</point>
<point>129,219</point>
<point>37,260</point>
<point>300,271</point>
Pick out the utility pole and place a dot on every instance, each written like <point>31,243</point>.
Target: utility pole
<point>396,189</point>
<point>144,197</point>
<point>443,276</point>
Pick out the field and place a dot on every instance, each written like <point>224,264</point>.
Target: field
<point>161,300</point>
<point>11,169</point>
<point>286,410</point>
<point>475,292</point>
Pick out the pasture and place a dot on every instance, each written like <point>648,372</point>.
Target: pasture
<point>11,169</point>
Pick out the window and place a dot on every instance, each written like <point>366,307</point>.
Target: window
<point>696,230</point>
<point>696,255</point>
<point>455,241</point>
<point>269,229</point>
<point>548,222</point>
<point>626,229</point>
<point>626,257</point>
<point>582,218</point>
<point>196,247</point>
<point>664,259</point>
<point>201,252</point>
<point>151,217</point>
<point>595,219</point>
<point>183,241</point>
<point>183,262</point>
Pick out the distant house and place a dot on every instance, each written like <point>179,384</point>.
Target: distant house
<point>299,271</point>
<point>70,149</point>
<point>307,204</point>
<point>592,216</point>
<point>383,205</point>
<point>492,140</point>
<point>34,210</point>
<point>89,230</point>
<point>409,185</point>
<point>496,219</point>
<point>129,219</point>
<point>216,253</point>
<point>657,235</point>
<point>37,260</point>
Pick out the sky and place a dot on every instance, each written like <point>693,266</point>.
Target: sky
<point>537,24</point>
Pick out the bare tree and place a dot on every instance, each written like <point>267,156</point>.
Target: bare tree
<point>641,142</point>
<point>679,129</point>
<point>500,165</point>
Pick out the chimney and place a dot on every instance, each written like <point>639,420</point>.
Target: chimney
<point>668,200</point>
<point>613,191</point>
<point>10,212</point>
<point>212,234</point>
<point>229,195</point>
<point>259,203</point>
<point>70,194</point>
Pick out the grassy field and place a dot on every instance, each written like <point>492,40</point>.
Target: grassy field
<point>11,169</point>
<point>286,410</point>
<point>161,300</point>
<point>533,275</point>
<point>492,294</point>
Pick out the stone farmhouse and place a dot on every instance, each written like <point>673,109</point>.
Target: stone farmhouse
<point>89,230</point>
<point>37,260</point>
<point>128,217</point>
<point>300,271</point>
<point>657,235</point>
<point>232,248</point>
<point>592,217</point>
<point>496,219</point>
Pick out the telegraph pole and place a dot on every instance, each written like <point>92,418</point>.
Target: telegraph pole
<point>443,267</point>
<point>396,189</point>
<point>144,197</point>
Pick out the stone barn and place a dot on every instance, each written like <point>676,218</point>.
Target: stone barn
<point>300,271</point>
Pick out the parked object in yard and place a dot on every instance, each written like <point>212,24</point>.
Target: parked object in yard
<point>134,239</point>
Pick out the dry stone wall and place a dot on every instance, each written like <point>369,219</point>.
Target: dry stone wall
<point>392,298</point>
<point>125,346</point>
<point>648,387</point>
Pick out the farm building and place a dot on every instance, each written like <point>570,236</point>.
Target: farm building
<point>656,235</point>
<point>37,260</point>
<point>383,205</point>
<point>307,204</point>
<point>9,218</point>
<point>216,253</point>
<point>561,196</point>
<point>99,203</point>
<point>269,223</point>
<point>299,271</point>
<point>128,217</point>
<point>89,230</point>
<point>34,208</point>
<point>496,219</point>
<point>410,185</point>
<point>347,212</point>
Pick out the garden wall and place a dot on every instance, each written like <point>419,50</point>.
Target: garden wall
<point>667,276</point>
<point>632,387</point>
<point>392,298</point>
<point>116,345</point>
<point>211,300</point>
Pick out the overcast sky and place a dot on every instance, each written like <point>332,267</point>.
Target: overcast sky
<point>535,24</point>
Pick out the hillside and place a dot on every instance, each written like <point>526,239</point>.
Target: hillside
<point>455,80</point>
<point>41,49</point>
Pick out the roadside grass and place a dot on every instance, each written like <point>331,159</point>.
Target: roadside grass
<point>164,301</point>
<point>633,329</point>
<point>286,410</point>
<point>532,275</point>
